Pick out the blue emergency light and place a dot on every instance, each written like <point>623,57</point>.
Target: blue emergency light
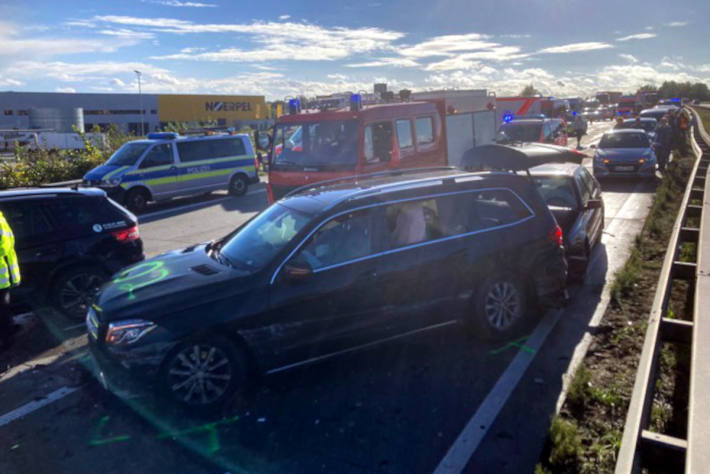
<point>355,102</point>
<point>507,117</point>
<point>574,113</point>
<point>294,106</point>
<point>675,99</point>
<point>162,136</point>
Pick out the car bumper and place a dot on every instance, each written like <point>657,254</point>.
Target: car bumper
<point>612,171</point>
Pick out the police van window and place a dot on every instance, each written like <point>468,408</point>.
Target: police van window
<point>425,130</point>
<point>378,142</point>
<point>194,150</point>
<point>404,133</point>
<point>127,154</point>
<point>498,207</point>
<point>226,147</point>
<point>339,240</point>
<point>27,220</point>
<point>159,155</point>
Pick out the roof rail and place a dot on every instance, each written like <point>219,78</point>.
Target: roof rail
<point>209,131</point>
<point>356,177</point>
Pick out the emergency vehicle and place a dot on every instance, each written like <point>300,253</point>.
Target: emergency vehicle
<point>509,108</point>
<point>627,105</point>
<point>434,129</point>
<point>167,165</point>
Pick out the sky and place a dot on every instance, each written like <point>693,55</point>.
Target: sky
<point>286,48</point>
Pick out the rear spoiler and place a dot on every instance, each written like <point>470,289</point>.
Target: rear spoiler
<point>517,158</point>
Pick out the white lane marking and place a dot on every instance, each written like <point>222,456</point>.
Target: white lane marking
<point>475,430</point>
<point>204,204</point>
<point>28,408</point>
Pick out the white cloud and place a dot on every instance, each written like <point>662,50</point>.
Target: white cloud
<point>126,33</point>
<point>677,24</point>
<point>68,90</point>
<point>177,3</point>
<point>638,36</point>
<point>284,17</point>
<point>388,61</point>
<point>648,28</point>
<point>576,47</point>
<point>9,82</point>
<point>448,44</point>
<point>516,36</point>
<point>629,57</point>
<point>81,72</point>
<point>337,77</point>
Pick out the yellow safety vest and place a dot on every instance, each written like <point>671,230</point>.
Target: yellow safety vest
<point>9,268</point>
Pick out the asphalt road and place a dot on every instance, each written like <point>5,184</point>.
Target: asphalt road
<point>441,401</point>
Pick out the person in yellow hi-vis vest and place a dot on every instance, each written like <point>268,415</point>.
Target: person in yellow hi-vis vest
<point>9,277</point>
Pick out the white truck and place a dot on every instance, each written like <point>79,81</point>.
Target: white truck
<point>33,139</point>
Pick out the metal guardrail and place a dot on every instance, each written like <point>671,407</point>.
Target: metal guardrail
<point>640,447</point>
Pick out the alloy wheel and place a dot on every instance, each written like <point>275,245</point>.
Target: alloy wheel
<point>77,292</point>
<point>199,374</point>
<point>502,305</point>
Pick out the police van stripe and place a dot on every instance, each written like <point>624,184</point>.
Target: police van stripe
<point>153,175</point>
<point>186,177</point>
<point>108,175</point>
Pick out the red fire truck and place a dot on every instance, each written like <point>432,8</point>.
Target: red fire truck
<point>627,105</point>
<point>435,128</point>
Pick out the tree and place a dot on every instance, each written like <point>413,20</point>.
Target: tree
<point>529,91</point>
<point>646,88</point>
<point>670,89</point>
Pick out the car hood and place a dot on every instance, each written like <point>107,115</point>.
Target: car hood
<point>167,283</point>
<point>623,154</point>
<point>104,172</point>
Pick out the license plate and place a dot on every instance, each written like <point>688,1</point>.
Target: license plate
<point>624,168</point>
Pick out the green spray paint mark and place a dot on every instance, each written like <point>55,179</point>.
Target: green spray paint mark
<point>212,430</point>
<point>517,343</point>
<point>98,441</point>
<point>128,281</point>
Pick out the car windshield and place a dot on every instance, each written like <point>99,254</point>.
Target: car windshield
<point>519,132</point>
<point>325,145</point>
<point>557,191</point>
<point>624,140</point>
<point>259,241</point>
<point>127,154</point>
<point>647,125</point>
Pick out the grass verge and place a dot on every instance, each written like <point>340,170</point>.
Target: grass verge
<point>586,436</point>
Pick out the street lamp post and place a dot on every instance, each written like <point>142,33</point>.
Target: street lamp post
<point>140,100</point>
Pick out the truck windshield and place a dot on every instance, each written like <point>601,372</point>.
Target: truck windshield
<point>326,145</point>
<point>257,243</point>
<point>127,154</point>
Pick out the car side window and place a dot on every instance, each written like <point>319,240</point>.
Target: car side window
<point>547,131</point>
<point>498,207</point>
<point>411,222</point>
<point>425,130</point>
<point>588,181</point>
<point>194,150</point>
<point>159,155</point>
<point>341,239</point>
<point>378,142</point>
<point>226,147</point>
<point>404,133</point>
<point>28,221</point>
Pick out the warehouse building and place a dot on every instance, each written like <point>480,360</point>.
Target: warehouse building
<point>18,110</point>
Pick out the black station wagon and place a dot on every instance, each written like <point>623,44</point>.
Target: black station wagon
<point>329,270</point>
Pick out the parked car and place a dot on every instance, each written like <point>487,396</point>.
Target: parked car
<point>624,153</point>
<point>575,199</point>
<point>592,114</point>
<point>647,124</point>
<point>542,130</point>
<point>656,113</point>
<point>167,165</point>
<point>68,243</point>
<point>329,270</point>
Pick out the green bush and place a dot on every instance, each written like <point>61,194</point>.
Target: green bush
<point>565,446</point>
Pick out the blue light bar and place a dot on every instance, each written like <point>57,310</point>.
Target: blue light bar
<point>355,102</point>
<point>162,136</point>
<point>294,106</point>
<point>507,117</point>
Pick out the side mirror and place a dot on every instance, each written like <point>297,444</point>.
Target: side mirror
<point>298,271</point>
<point>594,204</point>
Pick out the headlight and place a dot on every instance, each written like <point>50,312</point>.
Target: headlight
<point>128,332</point>
<point>114,181</point>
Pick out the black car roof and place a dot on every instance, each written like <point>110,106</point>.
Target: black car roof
<point>30,192</point>
<point>321,198</point>
<point>566,169</point>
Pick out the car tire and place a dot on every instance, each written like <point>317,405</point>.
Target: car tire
<point>136,200</point>
<point>238,185</point>
<point>73,291</point>
<point>499,307</point>
<point>203,373</point>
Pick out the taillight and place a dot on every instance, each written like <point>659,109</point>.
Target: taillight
<point>556,235</point>
<point>127,235</point>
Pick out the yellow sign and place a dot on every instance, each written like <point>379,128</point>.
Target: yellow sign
<point>188,108</point>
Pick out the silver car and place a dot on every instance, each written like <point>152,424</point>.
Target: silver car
<point>624,153</point>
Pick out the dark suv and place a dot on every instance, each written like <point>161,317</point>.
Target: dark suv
<point>329,270</point>
<point>68,243</point>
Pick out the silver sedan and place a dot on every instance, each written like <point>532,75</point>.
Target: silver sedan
<point>624,153</point>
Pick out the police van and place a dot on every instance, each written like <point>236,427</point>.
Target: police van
<point>166,165</point>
